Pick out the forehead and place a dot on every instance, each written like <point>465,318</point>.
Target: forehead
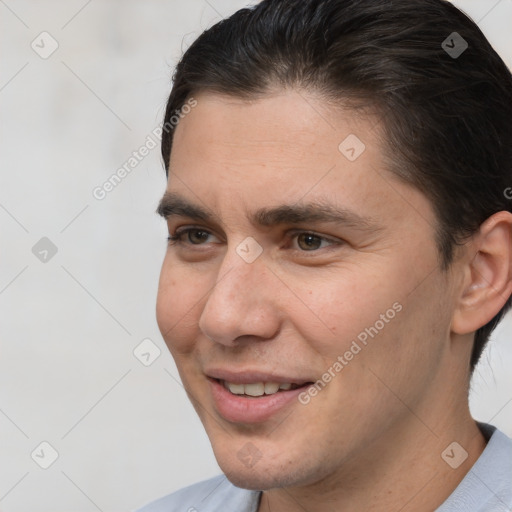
<point>285,147</point>
<point>290,125</point>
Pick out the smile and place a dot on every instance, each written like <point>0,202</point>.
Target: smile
<point>253,402</point>
<point>256,389</point>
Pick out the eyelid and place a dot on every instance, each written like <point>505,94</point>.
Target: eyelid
<point>183,230</point>
<point>333,240</point>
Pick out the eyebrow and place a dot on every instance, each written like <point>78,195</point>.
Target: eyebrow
<point>172,205</point>
<point>318,211</point>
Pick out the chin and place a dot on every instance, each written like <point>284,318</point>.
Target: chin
<point>263,476</point>
<point>252,482</point>
<point>261,480</point>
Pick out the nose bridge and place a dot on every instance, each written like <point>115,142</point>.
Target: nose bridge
<point>240,303</point>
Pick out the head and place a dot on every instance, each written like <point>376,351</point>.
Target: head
<point>344,173</point>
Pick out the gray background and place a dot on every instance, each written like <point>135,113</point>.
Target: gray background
<point>124,432</point>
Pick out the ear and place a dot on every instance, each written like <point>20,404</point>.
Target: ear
<point>488,275</point>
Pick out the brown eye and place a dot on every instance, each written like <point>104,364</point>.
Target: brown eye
<point>309,241</point>
<point>186,237</point>
<point>197,236</point>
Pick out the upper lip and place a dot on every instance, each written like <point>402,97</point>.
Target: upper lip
<point>251,376</point>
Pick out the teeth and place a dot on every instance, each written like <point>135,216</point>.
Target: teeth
<point>236,389</point>
<point>258,388</point>
<point>271,388</point>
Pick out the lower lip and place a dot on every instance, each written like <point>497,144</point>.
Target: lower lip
<point>243,409</point>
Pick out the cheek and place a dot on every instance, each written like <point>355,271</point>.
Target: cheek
<point>178,307</point>
<point>332,310</point>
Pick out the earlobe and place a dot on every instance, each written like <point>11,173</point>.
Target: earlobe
<point>488,275</point>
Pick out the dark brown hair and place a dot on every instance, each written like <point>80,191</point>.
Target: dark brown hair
<point>447,118</point>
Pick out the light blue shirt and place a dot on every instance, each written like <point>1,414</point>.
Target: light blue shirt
<point>487,487</point>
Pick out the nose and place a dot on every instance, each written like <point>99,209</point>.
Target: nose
<point>243,304</point>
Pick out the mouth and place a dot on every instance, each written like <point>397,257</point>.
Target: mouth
<point>254,401</point>
<point>258,389</point>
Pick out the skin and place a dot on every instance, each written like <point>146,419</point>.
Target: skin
<point>372,438</point>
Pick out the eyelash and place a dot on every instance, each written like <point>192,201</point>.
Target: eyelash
<point>177,238</point>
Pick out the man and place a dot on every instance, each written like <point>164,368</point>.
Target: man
<point>339,253</point>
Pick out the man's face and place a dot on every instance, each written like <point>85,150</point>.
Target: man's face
<point>306,262</point>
